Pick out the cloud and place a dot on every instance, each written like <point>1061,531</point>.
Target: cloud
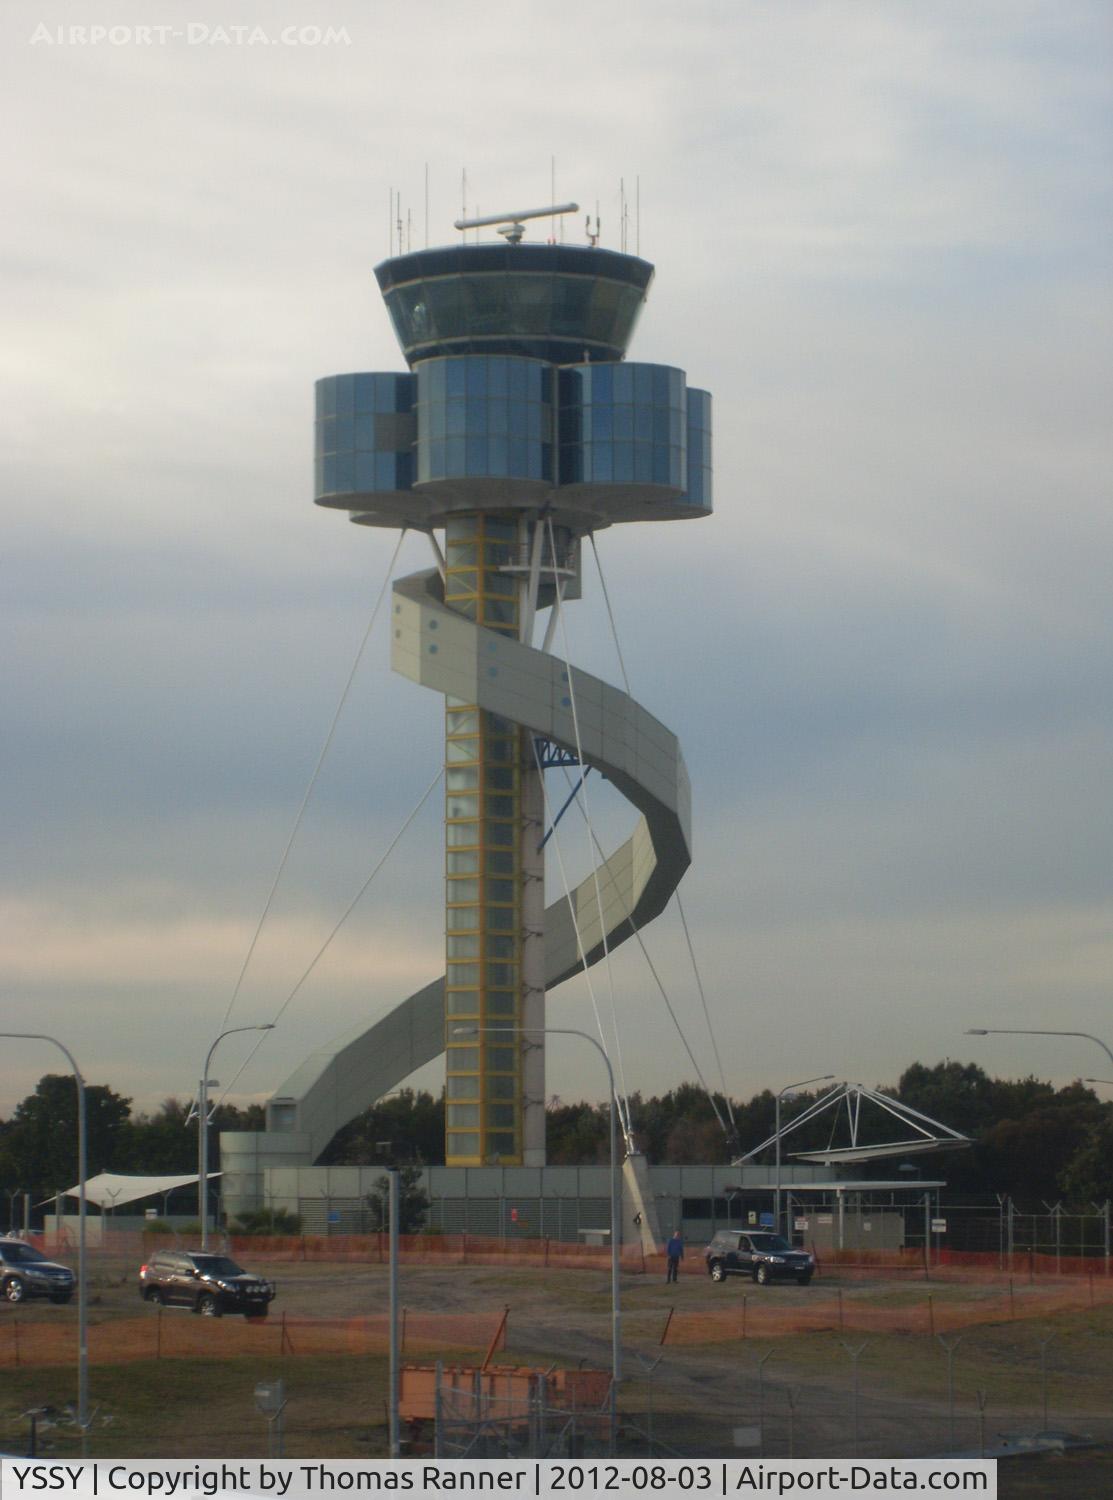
<point>882,238</point>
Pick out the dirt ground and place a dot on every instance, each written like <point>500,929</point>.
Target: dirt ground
<point>829,1392</point>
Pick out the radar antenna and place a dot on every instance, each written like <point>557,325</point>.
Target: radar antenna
<point>512,225</point>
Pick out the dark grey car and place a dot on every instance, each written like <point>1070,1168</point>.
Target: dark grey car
<point>210,1284</point>
<point>26,1272</point>
<point>759,1254</point>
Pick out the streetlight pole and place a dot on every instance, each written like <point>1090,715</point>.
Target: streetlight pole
<point>616,1315</point>
<point>1025,1031</point>
<point>203,1127</point>
<point>82,1169</point>
<point>395,1351</point>
<point>823,1078</point>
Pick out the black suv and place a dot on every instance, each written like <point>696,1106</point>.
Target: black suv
<point>26,1272</point>
<point>763,1255</point>
<point>209,1284</point>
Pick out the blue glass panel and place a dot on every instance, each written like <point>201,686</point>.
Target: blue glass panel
<point>516,378</point>
<point>455,376</point>
<point>602,382</point>
<point>602,422</point>
<point>643,463</point>
<point>546,384</point>
<point>676,426</point>
<point>345,471</point>
<point>517,417</point>
<point>365,471</point>
<point>438,420</point>
<point>546,461</point>
<point>602,462</point>
<point>498,456</point>
<point>571,300</point>
<point>623,382</point>
<point>476,455</point>
<point>624,423</point>
<point>660,385</point>
<point>676,387</point>
<point>533,462</point>
<point>345,433</point>
<point>431,464</point>
<point>485,303</point>
<point>319,476</point>
<point>571,464</point>
<point>400,304</point>
<point>476,376</point>
<point>661,416</point>
<point>497,417</point>
<point>518,462</point>
<point>365,432</point>
<point>604,307</point>
<point>405,464</point>
<point>623,463</point>
<point>345,395</point>
<point>446,307</point>
<point>643,424</point>
<point>456,418</point>
<point>319,399</point>
<point>328,391</point>
<point>571,424</point>
<point>384,471</point>
<point>643,383</point>
<point>328,482</point>
<point>326,435</point>
<point>431,380</point>
<point>533,421</point>
<point>660,464</point>
<point>496,376</point>
<point>531,300</point>
<point>364,393</point>
<point>454,456</point>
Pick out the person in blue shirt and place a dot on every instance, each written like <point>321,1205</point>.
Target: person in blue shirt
<point>674,1252</point>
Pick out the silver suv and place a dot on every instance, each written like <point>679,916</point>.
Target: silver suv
<point>26,1272</point>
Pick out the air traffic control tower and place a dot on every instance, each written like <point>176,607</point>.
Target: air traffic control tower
<point>519,429</point>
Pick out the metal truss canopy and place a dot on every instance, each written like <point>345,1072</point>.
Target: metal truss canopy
<point>928,1134</point>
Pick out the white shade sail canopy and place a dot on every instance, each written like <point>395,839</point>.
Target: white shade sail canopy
<point>113,1189</point>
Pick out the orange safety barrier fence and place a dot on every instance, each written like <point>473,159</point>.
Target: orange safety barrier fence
<point>174,1333</point>
<point>480,1250</point>
<point>753,1315</point>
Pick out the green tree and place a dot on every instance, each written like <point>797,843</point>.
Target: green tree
<point>41,1140</point>
<point>405,1126</point>
<point>413,1204</point>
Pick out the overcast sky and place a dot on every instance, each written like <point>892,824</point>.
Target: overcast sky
<point>882,236</point>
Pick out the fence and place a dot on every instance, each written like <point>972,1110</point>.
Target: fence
<point>166,1334</point>
<point>1022,1256</point>
<point>752,1316</point>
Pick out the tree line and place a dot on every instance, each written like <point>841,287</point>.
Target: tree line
<point>1031,1141</point>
